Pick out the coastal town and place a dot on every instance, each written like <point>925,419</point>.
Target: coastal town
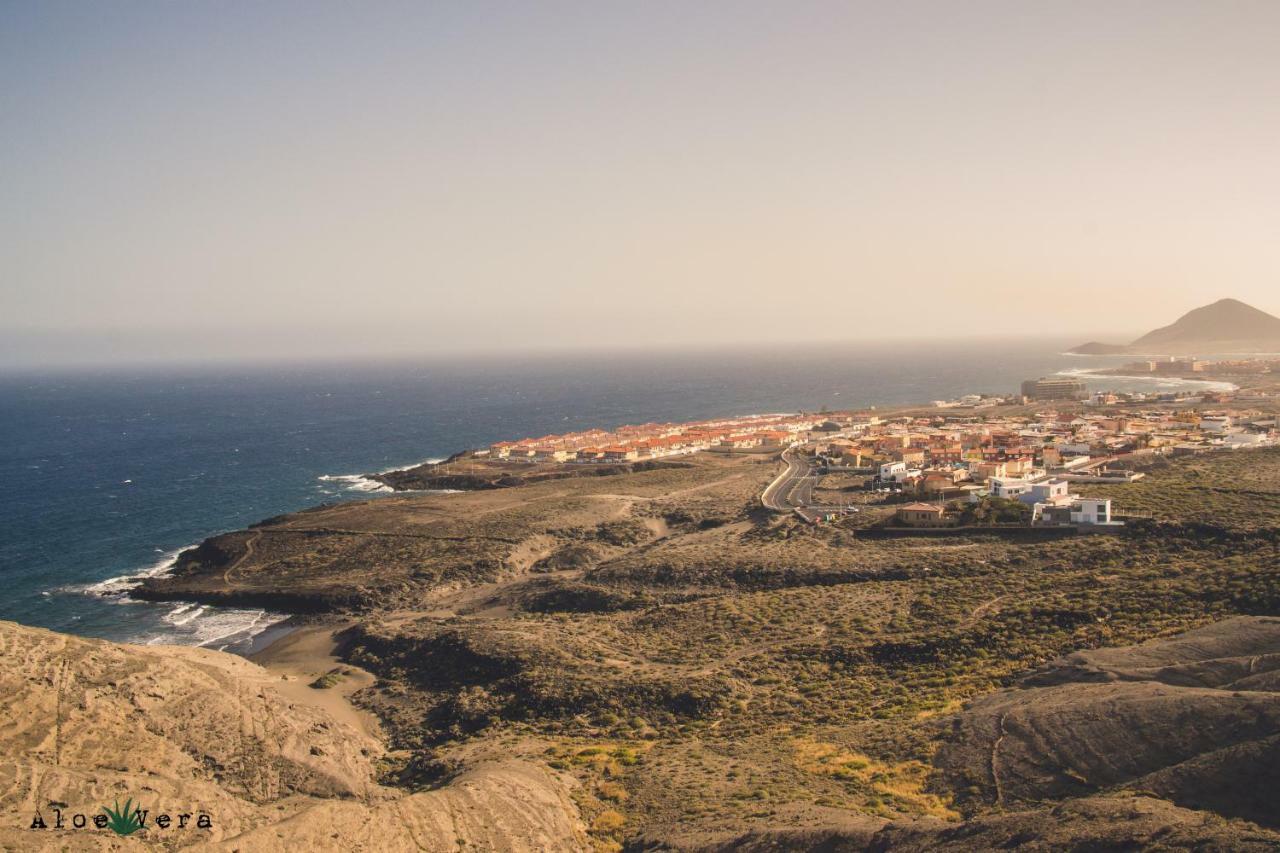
<point>1025,460</point>
<point>718,427</point>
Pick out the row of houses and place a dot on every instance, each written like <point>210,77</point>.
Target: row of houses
<point>1064,510</point>
<point>655,441</point>
<point>1035,459</point>
<point>1049,441</point>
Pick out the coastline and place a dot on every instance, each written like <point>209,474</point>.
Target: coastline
<point>368,483</point>
<point>1162,381</point>
<point>234,629</point>
<point>250,630</point>
<point>244,631</point>
<point>272,634</point>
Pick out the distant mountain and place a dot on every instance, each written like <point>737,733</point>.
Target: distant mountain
<point>1226,325</point>
<point>1224,320</point>
<point>1099,348</point>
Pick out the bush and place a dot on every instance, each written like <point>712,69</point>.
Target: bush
<point>608,821</point>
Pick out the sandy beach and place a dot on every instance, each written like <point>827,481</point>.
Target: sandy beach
<point>303,653</point>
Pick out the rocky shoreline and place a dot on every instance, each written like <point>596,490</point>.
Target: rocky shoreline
<point>439,476</point>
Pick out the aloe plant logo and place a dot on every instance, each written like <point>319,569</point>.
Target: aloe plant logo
<point>124,821</point>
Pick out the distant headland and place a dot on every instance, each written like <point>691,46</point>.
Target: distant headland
<point>1227,325</point>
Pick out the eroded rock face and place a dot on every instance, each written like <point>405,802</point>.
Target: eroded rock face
<point>1194,719</point>
<point>85,723</point>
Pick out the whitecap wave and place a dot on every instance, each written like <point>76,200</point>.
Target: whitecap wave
<point>363,482</point>
<point>186,623</point>
<point>355,483</point>
<point>218,628</point>
<point>115,588</point>
<point>434,460</point>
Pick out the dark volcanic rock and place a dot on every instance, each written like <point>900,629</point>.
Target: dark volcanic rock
<point>433,476</point>
<point>467,677</point>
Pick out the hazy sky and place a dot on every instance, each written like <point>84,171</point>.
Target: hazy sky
<point>290,178</point>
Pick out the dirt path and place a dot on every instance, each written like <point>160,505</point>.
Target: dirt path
<point>248,552</point>
<point>995,758</point>
<point>982,611</point>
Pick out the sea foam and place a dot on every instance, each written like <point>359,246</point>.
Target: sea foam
<point>362,482</point>
<point>186,623</point>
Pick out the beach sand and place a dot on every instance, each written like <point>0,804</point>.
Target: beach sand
<point>304,653</point>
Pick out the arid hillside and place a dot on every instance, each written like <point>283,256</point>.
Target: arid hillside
<point>699,669</point>
<point>87,724</point>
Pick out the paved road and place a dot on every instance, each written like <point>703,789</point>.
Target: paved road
<point>793,488</point>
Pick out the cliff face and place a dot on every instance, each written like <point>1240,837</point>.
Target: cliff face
<point>86,723</point>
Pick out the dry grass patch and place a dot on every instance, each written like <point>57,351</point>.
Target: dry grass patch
<point>885,789</point>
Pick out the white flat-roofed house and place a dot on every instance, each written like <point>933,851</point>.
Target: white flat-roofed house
<point>1091,511</point>
<point>892,470</point>
<point>1095,512</point>
<point>1052,492</point>
<point>1008,488</point>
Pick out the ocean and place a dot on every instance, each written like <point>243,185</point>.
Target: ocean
<point>110,473</point>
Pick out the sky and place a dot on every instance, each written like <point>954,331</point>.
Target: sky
<point>241,179</point>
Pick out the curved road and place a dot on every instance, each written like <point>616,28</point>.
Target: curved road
<point>793,488</point>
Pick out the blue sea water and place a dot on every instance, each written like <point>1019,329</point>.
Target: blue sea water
<point>109,473</point>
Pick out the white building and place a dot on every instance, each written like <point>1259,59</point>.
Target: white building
<point>1091,511</point>
<point>1009,488</point>
<point>892,471</point>
<point>1047,492</point>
